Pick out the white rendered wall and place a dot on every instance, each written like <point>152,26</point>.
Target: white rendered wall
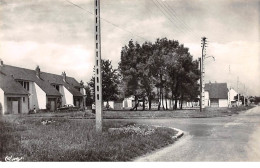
<point>24,105</point>
<point>83,91</point>
<point>207,102</point>
<point>33,100</point>
<point>2,100</point>
<point>40,97</point>
<point>67,97</point>
<point>223,102</point>
<point>231,94</point>
<point>111,104</point>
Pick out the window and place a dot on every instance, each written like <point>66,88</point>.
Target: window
<point>97,62</point>
<point>25,84</point>
<point>96,45</point>
<point>97,88</point>
<point>57,87</point>
<point>23,99</point>
<point>96,11</point>
<point>96,28</point>
<point>97,80</point>
<point>97,70</point>
<point>97,54</point>
<point>97,96</point>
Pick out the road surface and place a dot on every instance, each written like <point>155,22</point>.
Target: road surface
<point>234,138</point>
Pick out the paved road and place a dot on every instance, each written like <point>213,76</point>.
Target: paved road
<point>234,138</point>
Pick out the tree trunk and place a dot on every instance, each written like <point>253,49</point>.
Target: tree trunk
<point>175,102</point>
<point>150,104</point>
<point>166,102</point>
<point>143,103</point>
<point>159,105</point>
<point>181,100</point>
<point>162,100</point>
<point>149,101</point>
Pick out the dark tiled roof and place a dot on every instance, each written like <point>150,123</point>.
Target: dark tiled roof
<point>70,83</point>
<point>10,86</point>
<point>217,90</point>
<point>43,82</point>
<point>30,75</point>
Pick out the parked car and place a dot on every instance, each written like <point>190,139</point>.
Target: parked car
<point>68,107</point>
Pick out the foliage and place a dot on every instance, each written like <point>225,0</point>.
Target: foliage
<point>165,65</point>
<point>110,82</point>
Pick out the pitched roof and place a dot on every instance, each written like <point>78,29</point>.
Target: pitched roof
<point>9,86</point>
<point>30,75</point>
<point>45,80</point>
<point>217,90</point>
<point>70,83</point>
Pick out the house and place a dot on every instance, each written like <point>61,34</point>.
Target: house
<point>216,95</point>
<point>13,97</point>
<point>231,97</point>
<point>44,90</point>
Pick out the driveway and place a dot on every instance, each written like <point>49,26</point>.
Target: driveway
<point>234,138</point>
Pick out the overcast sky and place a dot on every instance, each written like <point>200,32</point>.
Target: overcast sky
<point>58,36</point>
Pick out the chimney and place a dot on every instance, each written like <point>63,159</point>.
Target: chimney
<point>38,71</point>
<point>64,76</point>
<point>1,62</point>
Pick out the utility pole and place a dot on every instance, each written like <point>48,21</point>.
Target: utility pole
<point>238,98</point>
<point>229,98</point>
<point>200,85</point>
<point>244,95</point>
<point>204,45</point>
<point>98,71</point>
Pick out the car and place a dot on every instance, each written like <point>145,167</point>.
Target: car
<point>68,107</point>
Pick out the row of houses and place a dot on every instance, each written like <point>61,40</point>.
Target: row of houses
<point>22,90</point>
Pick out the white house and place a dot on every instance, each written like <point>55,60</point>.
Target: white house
<point>231,97</point>
<point>40,90</point>
<point>216,95</point>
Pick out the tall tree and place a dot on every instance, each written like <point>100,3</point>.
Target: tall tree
<point>110,82</point>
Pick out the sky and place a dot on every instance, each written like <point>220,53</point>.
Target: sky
<point>59,36</point>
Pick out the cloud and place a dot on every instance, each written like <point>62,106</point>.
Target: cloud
<point>59,36</point>
<point>55,58</point>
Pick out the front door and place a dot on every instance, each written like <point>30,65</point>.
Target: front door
<point>15,107</point>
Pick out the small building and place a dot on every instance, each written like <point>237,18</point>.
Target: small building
<point>216,95</point>
<point>13,97</point>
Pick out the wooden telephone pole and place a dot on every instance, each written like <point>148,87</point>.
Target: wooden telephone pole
<point>98,71</point>
<point>202,70</point>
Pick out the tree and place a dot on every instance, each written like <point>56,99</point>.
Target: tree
<point>135,67</point>
<point>110,82</point>
<point>164,65</point>
<point>89,98</point>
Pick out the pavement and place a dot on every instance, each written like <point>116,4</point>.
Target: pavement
<point>232,138</point>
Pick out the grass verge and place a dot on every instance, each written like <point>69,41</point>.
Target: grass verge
<point>61,139</point>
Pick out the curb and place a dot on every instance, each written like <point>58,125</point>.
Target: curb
<point>175,137</point>
<point>179,134</point>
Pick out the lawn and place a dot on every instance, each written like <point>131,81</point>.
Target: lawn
<point>62,139</point>
<point>124,114</point>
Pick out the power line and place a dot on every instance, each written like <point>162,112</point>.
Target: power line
<point>176,16</point>
<point>171,11</point>
<point>133,34</point>
<point>169,17</point>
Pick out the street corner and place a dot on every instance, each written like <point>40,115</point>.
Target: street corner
<point>179,134</point>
